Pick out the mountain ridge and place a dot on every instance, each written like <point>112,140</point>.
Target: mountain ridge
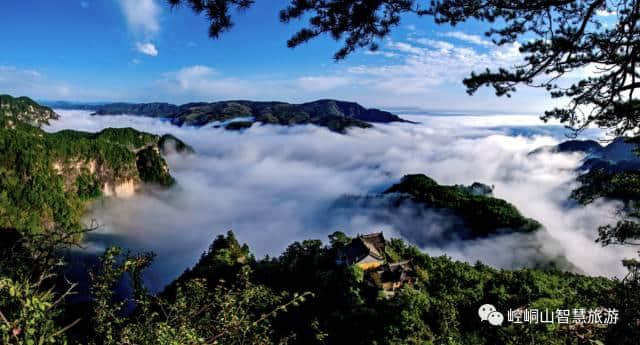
<point>336,115</point>
<point>616,156</point>
<point>24,109</point>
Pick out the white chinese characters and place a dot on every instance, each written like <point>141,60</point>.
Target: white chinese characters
<point>597,316</point>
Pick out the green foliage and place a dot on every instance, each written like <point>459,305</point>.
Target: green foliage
<point>238,125</point>
<point>598,183</point>
<point>45,179</point>
<point>32,195</point>
<point>32,297</point>
<point>339,239</point>
<point>152,168</point>
<point>617,185</point>
<point>230,298</point>
<point>88,187</point>
<point>440,309</point>
<point>169,143</point>
<point>31,316</point>
<point>627,332</point>
<point>197,314</point>
<point>23,109</point>
<point>483,214</point>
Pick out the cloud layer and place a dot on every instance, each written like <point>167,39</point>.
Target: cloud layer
<point>143,20</point>
<point>274,185</point>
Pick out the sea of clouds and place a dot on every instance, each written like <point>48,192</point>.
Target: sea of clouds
<point>273,185</point>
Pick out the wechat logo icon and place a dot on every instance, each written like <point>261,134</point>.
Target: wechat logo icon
<point>487,312</point>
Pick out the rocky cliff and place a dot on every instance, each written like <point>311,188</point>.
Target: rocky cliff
<point>47,178</point>
<point>23,109</point>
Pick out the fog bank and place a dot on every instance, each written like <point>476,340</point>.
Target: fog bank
<point>273,185</point>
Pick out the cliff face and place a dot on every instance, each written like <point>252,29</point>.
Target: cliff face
<point>23,109</point>
<point>115,162</point>
<point>46,179</point>
<point>102,180</point>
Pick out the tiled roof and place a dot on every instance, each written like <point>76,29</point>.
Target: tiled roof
<point>375,244</point>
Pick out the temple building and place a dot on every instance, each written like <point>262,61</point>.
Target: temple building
<point>392,276</point>
<point>366,251</point>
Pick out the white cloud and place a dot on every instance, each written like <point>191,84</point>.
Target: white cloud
<point>606,13</point>
<point>382,53</point>
<point>147,48</point>
<point>205,82</point>
<point>143,16</point>
<point>440,45</point>
<point>420,72</point>
<point>143,19</point>
<point>424,67</point>
<point>322,83</point>
<point>427,73</point>
<point>31,83</point>
<point>475,39</point>
<point>273,185</point>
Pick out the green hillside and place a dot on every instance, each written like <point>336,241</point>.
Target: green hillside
<point>24,109</point>
<point>46,178</point>
<point>483,214</point>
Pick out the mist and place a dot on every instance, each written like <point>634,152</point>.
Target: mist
<point>274,185</point>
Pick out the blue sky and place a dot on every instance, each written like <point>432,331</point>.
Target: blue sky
<point>141,50</point>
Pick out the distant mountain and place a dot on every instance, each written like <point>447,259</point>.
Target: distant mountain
<point>442,213</point>
<point>71,105</point>
<point>335,115</point>
<point>619,149</point>
<point>611,171</point>
<point>144,109</point>
<point>619,155</point>
<point>484,214</point>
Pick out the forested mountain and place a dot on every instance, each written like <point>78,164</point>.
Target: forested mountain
<point>608,171</point>
<point>45,178</point>
<point>23,109</point>
<point>617,150</point>
<point>484,215</point>
<point>463,212</point>
<point>335,115</point>
<point>428,214</point>
<point>440,308</point>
